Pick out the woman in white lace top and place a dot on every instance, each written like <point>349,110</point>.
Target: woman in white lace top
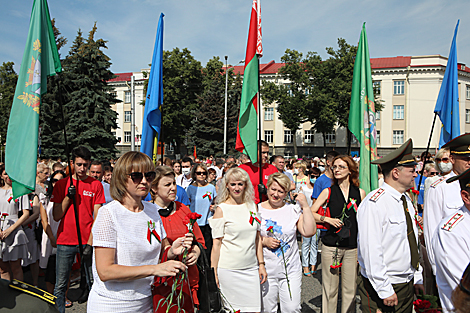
<point>128,241</point>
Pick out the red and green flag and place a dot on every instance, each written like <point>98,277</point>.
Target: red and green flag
<point>247,130</point>
<point>362,115</point>
<point>40,59</point>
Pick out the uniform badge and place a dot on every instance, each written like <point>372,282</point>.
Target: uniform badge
<point>437,182</point>
<point>377,195</point>
<point>450,224</point>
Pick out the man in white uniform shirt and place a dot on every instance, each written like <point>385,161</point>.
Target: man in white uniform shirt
<point>444,199</point>
<point>387,238</point>
<point>184,179</point>
<point>451,244</point>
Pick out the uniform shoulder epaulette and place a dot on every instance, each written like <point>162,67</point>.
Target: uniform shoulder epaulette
<point>437,182</point>
<point>377,195</point>
<point>450,224</point>
<point>34,291</point>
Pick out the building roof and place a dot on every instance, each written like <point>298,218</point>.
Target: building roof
<point>272,67</point>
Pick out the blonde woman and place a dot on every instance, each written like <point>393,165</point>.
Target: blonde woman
<point>300,179</point>
<point>237,252</point>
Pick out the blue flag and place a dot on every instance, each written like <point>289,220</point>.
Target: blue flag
<point>447,105</point>
<point>152,122</point>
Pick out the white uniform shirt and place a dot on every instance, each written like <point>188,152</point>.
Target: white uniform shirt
<point>441,200</point>
<point>451,246</point>
<point>182,181</point>
<point>382,243</point>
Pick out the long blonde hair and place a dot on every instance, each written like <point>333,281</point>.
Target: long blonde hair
<point>236,174</point>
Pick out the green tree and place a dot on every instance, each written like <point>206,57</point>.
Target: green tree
<point>207,126</point>
<point>293,99</point>
<point>87,100</point>
<point>8,79</point>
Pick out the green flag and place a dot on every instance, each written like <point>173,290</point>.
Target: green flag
<point>40,59</point>
<point>362,115</point>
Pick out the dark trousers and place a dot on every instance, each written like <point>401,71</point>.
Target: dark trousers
<point>370,300</point>
<point>207,234</point>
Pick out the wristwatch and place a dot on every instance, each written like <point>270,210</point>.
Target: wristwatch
<point>322,218</point>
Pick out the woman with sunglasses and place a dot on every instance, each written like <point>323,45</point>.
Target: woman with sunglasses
<point>13,245</point>
<point>129,240</point>
<point>47,258</point>
<point>310,244</point>
<point>339,249</point>
<point>173,214</point>
<point>443,165</point>
<point>201,196</point>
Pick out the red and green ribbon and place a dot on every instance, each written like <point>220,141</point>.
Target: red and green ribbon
<point>352,204</point>
<point>254,218</point>
<point>208,194</point>
<point>151,231</point>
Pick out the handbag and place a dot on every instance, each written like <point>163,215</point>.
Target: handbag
<point>162,288</point>
<point>208,293</point>
<point>324,211</point>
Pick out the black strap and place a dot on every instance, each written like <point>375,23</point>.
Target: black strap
<point>411,235</point>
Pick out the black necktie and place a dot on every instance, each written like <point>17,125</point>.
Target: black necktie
<point>411,235</point>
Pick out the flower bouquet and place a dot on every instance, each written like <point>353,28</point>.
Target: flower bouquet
<point>426,303</point>
<point>180,282</point>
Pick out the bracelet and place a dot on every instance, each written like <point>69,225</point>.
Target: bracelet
<point>322,218</point>
<point>259,263</point>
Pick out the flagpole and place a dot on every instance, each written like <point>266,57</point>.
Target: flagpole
<point>161,133</point>
<point>427,151</point>
<point>74,202</point>
<point>261,187</point>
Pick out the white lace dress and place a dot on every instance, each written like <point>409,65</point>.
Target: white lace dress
<point>117,227</point>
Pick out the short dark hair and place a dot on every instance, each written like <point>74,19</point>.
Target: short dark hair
<point>330,155</point>
<point>187,159</point>
<point>96,162</point>
<point>81,152</point>
<point>219,161</point>
<point>107,168</point>
<point>263,143</point>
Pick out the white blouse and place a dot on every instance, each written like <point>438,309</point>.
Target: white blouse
<point>127,232</point>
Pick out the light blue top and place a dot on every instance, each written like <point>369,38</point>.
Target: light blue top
<point>201,199</point>
<point>107,193</point>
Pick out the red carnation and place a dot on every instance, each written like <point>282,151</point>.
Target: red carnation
<point>270,228</point>
<point>4,214</point>
<point>194,216</point>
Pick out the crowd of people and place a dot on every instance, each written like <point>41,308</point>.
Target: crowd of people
<point>133,234</point>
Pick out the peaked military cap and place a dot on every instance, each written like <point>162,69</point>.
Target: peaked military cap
<point>400,157</point>
<point>459,145</point>
<point>464,179</point>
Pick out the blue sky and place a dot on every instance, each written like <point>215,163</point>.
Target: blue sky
<point>219,27</point>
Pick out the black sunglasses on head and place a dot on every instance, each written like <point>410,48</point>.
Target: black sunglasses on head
<point>138,176</point>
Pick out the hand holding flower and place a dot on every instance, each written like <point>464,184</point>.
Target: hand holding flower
<point>302,200</point>
<point>179,245</point>
<point>192,257</point>
<point>169,268</point>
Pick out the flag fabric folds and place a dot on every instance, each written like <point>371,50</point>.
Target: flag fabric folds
<point>248,118</point>
<point>40,59</point>
<point>447,105</point>
<point>152,121</point>
<point>362,115</point>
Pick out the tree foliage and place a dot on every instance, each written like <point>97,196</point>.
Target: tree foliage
<point>8,79</point>
<point>207,125</point>
<point>87,100</point>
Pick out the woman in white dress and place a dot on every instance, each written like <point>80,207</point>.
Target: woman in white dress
<point>13,239</point>
<point>129,240</point>
<point>280,222</point>
<point>237,253</point>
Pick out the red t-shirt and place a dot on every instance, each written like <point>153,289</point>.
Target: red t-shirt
<point>90,192</point>
<point>253,172</point>
<point>175,228</point>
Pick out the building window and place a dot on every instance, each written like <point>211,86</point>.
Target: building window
<point>330,138</point>
<point>398,137</point>
<point>398,112</point>
<point>399,87</point>
<point>308,138</point>
<point>378,137</point>
<point>289,90</point>
<point>113,93</point>
<point>288,136</point>
<point>287,155</point>
<point>127,136</point>
<point>113,133</point>
<point>377,87</point>
<point>127,96</point>
<point>268,114</point>
<point>353,140</point>
<point>467,116</point>
<point>127,116</point>
<point>468,92</point>
<point>269,136</point>
<point>377,115</point>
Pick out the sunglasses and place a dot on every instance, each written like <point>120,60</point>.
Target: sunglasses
<point>138,176</point>
<point>445,160</point>
<point>432,173</point>
<point>200,173</point>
